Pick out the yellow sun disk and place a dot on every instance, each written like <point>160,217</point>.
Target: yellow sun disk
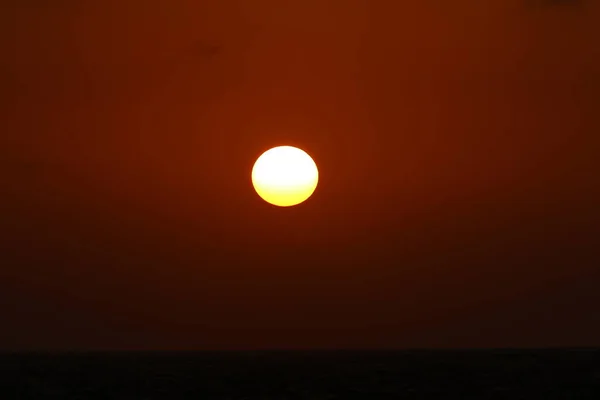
<point>285,176</point>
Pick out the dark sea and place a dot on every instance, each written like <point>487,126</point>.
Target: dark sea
<point>442,374</point>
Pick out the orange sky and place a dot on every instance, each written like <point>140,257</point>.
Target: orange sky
<point>458,154</point>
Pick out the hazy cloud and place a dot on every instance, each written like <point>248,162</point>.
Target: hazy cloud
<point>206,50</point>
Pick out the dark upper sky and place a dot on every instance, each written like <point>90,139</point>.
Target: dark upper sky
<point>458,149</point>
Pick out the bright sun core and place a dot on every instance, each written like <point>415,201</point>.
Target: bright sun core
<point>285,176</point>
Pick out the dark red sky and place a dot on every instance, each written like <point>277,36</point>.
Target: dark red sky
<point>458,149</point>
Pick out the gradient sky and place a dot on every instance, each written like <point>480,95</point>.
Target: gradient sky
<point>459,157</point>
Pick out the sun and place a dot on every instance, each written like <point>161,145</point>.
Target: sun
<point>285,176</point>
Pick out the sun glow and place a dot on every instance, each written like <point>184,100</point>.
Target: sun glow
<point>285,176</point>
